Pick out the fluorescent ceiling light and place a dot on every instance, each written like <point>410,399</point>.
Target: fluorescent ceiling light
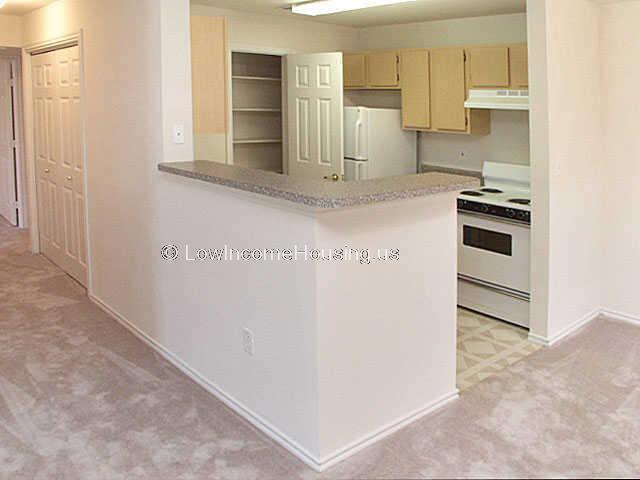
<point>326,7</point>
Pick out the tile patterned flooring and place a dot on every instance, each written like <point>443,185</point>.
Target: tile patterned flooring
<point>486,346</point>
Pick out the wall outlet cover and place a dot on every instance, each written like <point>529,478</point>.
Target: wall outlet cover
<point>248,342</point>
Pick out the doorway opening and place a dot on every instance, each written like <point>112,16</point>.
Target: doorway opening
<point>11,191</point>
<point>257,110</point>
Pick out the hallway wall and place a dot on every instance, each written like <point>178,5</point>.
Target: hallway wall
<point>123,138</point>
<point>620,50</point>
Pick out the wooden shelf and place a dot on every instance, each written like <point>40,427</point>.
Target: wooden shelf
<point>258,110</point>
<point>256,141</point>
<point>257,79</point>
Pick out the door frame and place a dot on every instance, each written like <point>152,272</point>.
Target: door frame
<point>59,43</point>
<point>257,50</point>
<point>18,119</point>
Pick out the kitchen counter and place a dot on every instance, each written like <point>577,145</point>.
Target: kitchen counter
<point>317,193</point>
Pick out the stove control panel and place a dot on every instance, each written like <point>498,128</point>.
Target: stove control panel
<point>514,214</point>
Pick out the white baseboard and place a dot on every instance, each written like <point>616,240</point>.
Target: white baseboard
<point>392,427</point>
<point>318,464</point>
<point>621,316</point>
<point>578,324</point>
<point>253,418</point>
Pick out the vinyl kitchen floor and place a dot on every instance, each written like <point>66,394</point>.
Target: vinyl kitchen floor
<point>486,346</point>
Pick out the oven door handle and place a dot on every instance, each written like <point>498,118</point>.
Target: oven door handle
<point>497,288</point>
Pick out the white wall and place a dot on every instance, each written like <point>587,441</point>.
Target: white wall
<point>375,366</point>
<point>10,31</point>
<point>620,50</point>
<point>123,138</point>
<point>572,171</point>
<point>509,138</point>
<point>443,33</point>
<point>507,143</point>
<point>280,32</point>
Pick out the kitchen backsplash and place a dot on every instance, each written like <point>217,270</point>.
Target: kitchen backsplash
<point>507,143</point>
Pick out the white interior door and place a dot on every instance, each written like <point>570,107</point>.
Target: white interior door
<point>315,115</point>
<point>8,198</point>
<point>59,159</point>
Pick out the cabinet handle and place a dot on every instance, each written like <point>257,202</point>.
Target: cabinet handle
<point>69,179</point>
<point>46,170</point>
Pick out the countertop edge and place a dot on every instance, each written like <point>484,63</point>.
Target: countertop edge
<point>318,201</point>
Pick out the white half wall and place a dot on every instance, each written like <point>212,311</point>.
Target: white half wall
<point>387,341</point>
<point>620,50</point>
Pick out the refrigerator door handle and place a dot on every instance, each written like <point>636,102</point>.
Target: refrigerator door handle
<point>358,130</point>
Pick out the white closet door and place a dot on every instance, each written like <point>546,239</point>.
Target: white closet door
<point>59,160</point>
<point>7,164</point>
<point>315,115</point>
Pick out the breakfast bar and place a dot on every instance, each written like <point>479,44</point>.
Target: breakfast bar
<point>342,349</point>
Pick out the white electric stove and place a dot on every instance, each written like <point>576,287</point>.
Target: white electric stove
<point>494,243</point>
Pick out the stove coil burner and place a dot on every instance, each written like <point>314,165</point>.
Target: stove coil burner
<point>520,201</point>
<point>473,194</point>
<point>491,190</point>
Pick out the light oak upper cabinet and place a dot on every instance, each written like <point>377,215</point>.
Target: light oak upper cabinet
<point>382,69</point>
<point>416,111</point>
<point>209,74</point>
<point>519,65</point>
<point>355,70</point>
<point>488,67</point>
<point>448,92</point>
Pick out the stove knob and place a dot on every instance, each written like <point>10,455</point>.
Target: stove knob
<point>522,215</point>
<point>484,208</point>
<point>511,213</point>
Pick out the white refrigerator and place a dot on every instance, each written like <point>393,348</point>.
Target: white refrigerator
<point>375,145</point>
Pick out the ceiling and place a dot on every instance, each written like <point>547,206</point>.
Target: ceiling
<point>20,7</point>
<point>418,11</point>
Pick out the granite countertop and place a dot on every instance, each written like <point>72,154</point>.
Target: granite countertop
<point>317,193</point>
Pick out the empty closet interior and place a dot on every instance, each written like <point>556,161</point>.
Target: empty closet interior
<point>257,111</point>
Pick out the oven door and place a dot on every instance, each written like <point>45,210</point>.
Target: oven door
<point>494,251</point>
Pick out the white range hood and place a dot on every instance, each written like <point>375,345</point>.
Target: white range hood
<point>498,99</point>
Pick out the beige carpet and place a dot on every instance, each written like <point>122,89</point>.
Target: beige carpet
<point>81,398</point>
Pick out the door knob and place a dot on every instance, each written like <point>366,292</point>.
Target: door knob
<point>335,177</point>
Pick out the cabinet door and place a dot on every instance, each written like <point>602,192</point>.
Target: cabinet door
<point>355,70</point>
<point>519,64</point>
<point>416,111</point>
<point>448,90</point>
<point>383,70</point>
<point>209,74</point>
<point>488,67</point>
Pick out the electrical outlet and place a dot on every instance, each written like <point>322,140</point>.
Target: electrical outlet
<point>248,342</point>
